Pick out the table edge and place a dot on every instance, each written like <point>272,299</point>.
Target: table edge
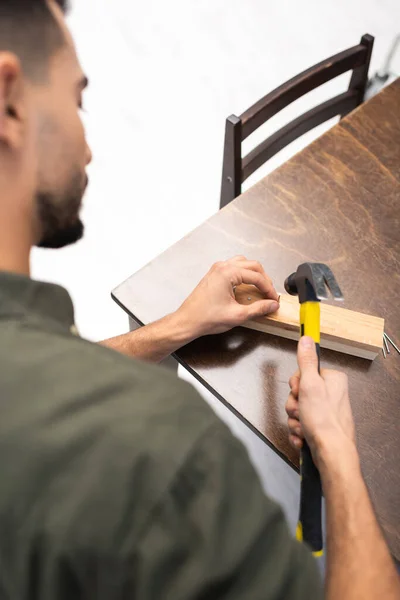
<point>214,392</point>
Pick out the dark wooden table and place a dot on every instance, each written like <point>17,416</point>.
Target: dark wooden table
<point>336,202</point>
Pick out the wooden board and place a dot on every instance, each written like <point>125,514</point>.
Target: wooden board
<point>342,330</point>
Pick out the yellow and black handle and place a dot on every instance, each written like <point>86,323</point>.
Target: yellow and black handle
<point>310,283</point>
<point>309,527</point>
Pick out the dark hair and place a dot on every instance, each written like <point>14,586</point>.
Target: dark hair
<point>29,30</point>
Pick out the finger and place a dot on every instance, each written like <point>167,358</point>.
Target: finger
<point>254,265</point>
<point>295,441</point>
<point>238,258</point>
<point>294,384</point>
<point>292,407</point>
<point>307,356</point>
<point>254,278</point>
<point>260,308</point>
<point>295,427</point>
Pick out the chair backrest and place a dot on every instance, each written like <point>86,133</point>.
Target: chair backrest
<point>237,169</point>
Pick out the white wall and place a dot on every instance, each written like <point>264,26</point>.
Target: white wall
<point>164,76</point>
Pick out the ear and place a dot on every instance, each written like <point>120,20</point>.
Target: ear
<point>11,102</point>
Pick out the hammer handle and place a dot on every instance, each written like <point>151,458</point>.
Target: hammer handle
<point>309,528</point>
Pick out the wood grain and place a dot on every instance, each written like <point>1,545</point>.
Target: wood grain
<point>342,330</point>
<point>336,202</point>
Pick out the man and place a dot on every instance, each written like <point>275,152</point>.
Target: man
<point>117,481</point>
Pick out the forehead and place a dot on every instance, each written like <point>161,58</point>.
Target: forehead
<point>66,58</point>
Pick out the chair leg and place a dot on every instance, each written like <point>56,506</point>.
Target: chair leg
<point>359,78</point>
<point>232,165</point>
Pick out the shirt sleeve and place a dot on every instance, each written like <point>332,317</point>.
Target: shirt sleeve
<point>216,535</point>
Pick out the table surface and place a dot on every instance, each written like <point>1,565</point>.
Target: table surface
<point>336,202</point>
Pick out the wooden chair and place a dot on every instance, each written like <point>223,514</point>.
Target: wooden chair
<point>236,169</point>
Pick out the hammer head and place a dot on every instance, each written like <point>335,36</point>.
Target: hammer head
<point>310,283</point>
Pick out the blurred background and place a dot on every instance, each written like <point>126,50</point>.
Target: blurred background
<point>163,78</point>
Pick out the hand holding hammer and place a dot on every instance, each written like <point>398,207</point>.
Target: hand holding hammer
<point>309,283</point>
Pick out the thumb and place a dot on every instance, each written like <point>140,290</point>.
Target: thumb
<point>307,356</point>
<point>262,308</point>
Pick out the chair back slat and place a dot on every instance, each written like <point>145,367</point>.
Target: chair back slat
<point>314,117</point>
<point>307,81</point>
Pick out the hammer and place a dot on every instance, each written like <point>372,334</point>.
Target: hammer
<point>309,283</point>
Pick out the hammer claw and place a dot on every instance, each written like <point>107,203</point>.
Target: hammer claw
<point>328,280</point>
<point>313,280</point>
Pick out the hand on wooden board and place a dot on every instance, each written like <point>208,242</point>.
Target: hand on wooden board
<point>212,308</point>
<point>318,407</point>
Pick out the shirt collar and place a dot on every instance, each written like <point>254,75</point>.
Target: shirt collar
<point>21,296</point>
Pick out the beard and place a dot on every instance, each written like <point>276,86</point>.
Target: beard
<point>58,215</point>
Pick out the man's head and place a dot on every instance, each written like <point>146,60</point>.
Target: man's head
<point>43,151</point>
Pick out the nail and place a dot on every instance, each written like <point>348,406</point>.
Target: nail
<point>392,342</point>
<point>386,345</point>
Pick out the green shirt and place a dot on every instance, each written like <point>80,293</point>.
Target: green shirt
<point>117,481</point>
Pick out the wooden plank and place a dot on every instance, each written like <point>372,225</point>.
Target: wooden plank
<point>342,330</point>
